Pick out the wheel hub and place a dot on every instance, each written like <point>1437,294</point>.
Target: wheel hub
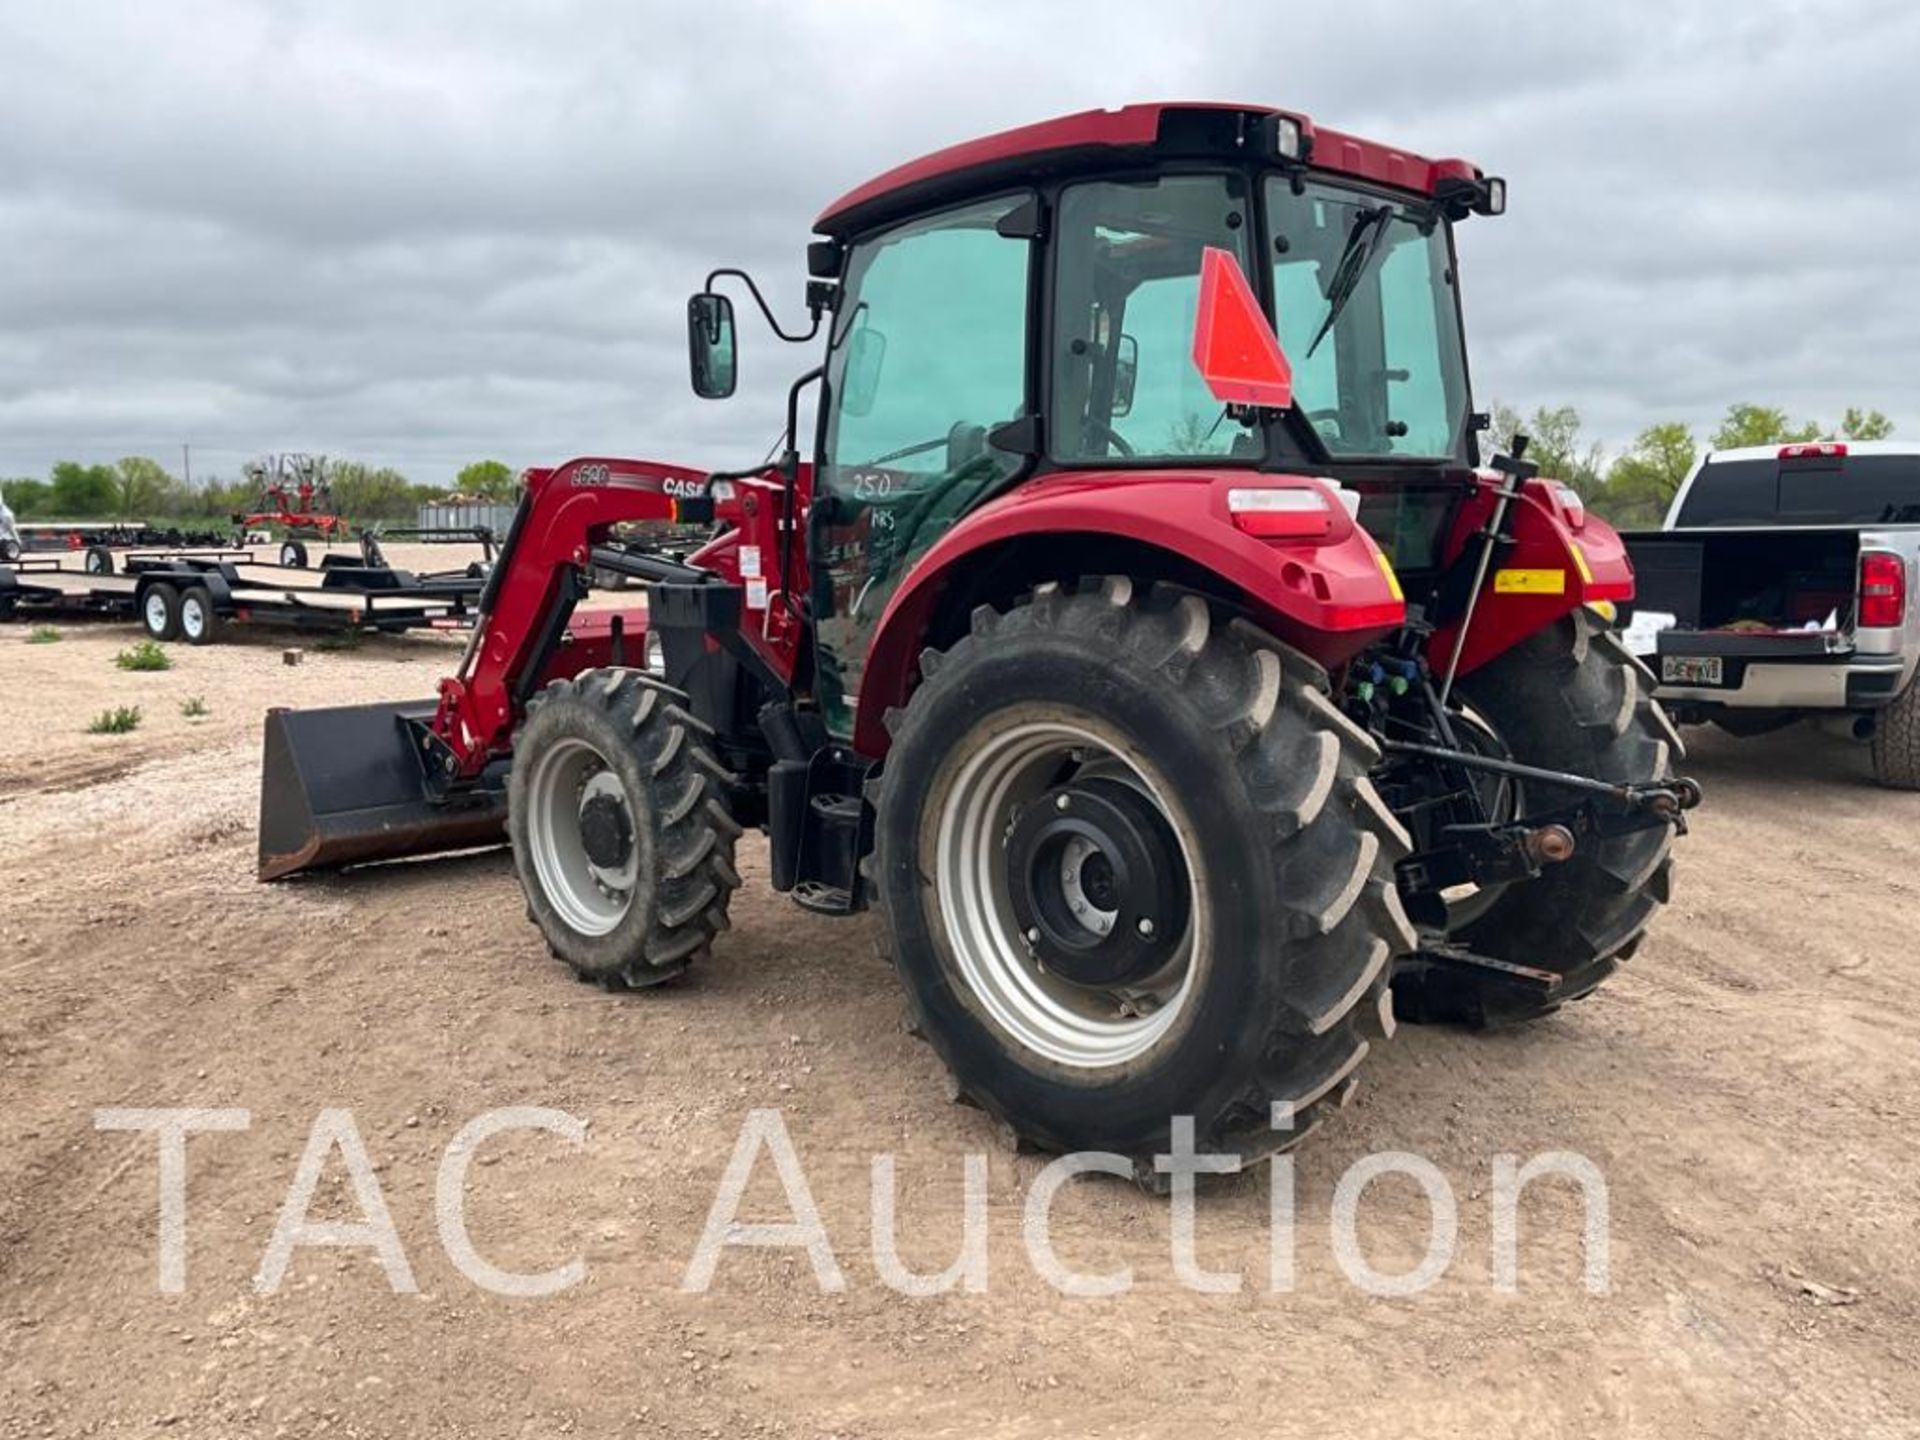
<point>606,831</point>
<point>1097,883</point>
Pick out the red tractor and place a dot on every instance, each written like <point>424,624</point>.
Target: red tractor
<point>1143,639</point>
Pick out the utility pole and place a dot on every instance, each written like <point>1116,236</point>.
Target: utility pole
<point>186,463</point>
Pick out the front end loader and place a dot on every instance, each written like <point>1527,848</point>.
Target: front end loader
<point>1138,631</point>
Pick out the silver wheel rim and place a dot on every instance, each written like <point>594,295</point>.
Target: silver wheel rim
<point>156,613</point>
<point>590,898</point>
<point>289,557</point>
<point>193,619</point>
<point>1085,1028</point>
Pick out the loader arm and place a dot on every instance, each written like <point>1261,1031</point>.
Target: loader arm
<point>536,582</point>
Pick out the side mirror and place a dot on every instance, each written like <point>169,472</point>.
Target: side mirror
<point>1126,375</point>
<point>860,382</point>
<point>710,350</point>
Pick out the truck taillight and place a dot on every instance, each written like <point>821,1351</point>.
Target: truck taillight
<point>1819,450</point>
<point>1883,590</point>
<point>1280,513</point>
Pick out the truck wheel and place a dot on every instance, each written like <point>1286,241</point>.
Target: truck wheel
<point>199,622</point>
<point>98,561</point>
<point>1896,741</point>
<point>160,612</point>
<point>1571,698</point>
<point>617,816</point>
<point>293,555</point>
<point>1132,869</point>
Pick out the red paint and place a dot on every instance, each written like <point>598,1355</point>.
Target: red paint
<point>1137,127</point>
<point>1234,347</point>
<point>1542,541</point>
<point>1327,596</point>
<point>575,506</point>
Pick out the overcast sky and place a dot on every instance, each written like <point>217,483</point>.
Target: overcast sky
<point>420,233</point>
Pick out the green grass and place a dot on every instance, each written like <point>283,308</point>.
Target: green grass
<point>349,639</point>
<point>147,655</point>
<point>43,635</point>
<point>194,707</point>
<point>117,721</point>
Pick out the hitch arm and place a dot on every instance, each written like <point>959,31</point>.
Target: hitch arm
<point>1670,798</point>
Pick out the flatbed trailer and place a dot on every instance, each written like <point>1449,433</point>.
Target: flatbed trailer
<point>194,597</point>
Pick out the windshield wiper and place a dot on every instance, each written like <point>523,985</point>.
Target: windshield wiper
<point>1363,243</point>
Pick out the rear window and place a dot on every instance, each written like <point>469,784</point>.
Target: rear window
<point>1856,490</point>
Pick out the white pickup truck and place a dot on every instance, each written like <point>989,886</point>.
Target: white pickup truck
<point>1782,587</point>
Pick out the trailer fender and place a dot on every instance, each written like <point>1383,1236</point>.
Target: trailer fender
<point>1307,571</point>
<point>1558,559</point>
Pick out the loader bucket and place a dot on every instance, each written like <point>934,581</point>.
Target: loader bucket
<point>343,787</point>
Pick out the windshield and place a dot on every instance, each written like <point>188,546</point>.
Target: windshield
<point>1365,309</point>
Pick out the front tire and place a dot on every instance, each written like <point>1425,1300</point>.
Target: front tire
<point>1571,698</point>
<point>160,612</point>
<point>617,815</point>
<point>1210,753</point>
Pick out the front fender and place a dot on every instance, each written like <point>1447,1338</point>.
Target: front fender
<point>1328,595</point>
<point>1549,570</point>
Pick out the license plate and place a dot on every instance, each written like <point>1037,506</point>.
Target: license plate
<point>1693,670</point>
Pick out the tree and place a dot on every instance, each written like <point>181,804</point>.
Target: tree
<point>362,492</point>
<point>489,479</point>
<point>144,487</point>
<point>1871,425</point>
<point>26,497</point>
<point>79,492</point>
<point>1642,483</point>
<point>1761,425</point>
<point>1554,444</point>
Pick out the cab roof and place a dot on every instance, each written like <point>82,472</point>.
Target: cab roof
<point>1095,138</point>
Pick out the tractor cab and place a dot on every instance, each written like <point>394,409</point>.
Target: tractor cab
<point>1025,306</point>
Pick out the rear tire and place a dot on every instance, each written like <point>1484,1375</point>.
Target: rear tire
<point>620,832</point>
<point>1571,698</point>
<point>1278,977</point>
<point>160,612</point>
<point>99,560</point>
<point>1896,741</point>
<point>293,555</point>
<point>199,623</point>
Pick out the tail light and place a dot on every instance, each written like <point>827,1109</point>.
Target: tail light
<point>1573,510</point>
<point>1883,590</point>
<point>1824,449</point>
<point>1277,513</point>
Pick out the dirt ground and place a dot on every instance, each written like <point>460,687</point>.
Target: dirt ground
<point>1747,1088</point>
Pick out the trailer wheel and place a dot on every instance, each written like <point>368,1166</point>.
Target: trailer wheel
<point>1896,741</point>
<point>1571,698</point>
<point>1133,869</point>
<point>199,621</point>
<point>293,555</point>
<point>617,814</point>
<point>9,550</point>
<point>99,560</point>
<point>160,611</point>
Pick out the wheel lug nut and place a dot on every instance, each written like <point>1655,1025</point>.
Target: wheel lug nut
<point>1061,802</point>
<point>1033,935</point>
<point>1146,926</point>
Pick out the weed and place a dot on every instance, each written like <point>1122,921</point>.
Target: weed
<point>147,655</point>
<point>194,707</point>
<point>43,635</point>
<point>117,721</point>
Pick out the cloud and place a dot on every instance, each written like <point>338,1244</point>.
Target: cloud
<point>425,233</point>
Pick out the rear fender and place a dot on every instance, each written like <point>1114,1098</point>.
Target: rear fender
<point>1549,570</point>
<point>1328,595</point>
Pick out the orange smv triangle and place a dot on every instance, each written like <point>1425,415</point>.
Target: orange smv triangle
<point>1234,347</point>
